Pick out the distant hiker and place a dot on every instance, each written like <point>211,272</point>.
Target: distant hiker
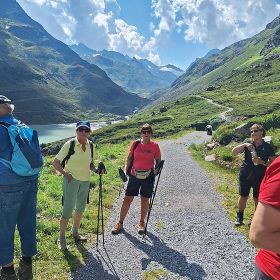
<point>76,180</point>
<point>265,227</point>
<point>209,129</point>
<point>18,193</point>
<point>257,156</point>
<point>142,158</point>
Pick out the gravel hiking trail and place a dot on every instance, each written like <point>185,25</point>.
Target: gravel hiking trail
<point>189,234</point>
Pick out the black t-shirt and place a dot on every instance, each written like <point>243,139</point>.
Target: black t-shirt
<point>264,151</point>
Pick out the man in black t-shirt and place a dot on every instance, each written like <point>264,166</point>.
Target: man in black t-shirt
<point>257,156</point>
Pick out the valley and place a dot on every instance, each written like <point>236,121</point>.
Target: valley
<point>53,84</point>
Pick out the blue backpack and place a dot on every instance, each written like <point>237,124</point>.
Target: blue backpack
<point>26,158</point>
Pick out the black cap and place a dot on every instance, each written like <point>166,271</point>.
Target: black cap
<point>4,100</point>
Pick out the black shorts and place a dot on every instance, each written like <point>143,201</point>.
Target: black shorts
<point>245,186</point>
<point>246,182</point>
<point>145,186</point>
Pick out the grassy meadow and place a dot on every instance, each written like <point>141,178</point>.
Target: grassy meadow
<point>59,264</point>
<point>224,174</point>
<point>169,120</point>
<point>111,147</point>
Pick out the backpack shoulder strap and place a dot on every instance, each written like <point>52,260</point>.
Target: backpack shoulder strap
<point>136,143</point>
<point>71,151</point>
<point>5,124</point>
<point>91,149</point>
<point>72,147</point>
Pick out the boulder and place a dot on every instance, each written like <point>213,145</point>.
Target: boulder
<point>210,88</point>
<point>211,146</point>
<point>210,158</point>
<point>242,130</point>
<point>267,139</point>
<point>163,109</point>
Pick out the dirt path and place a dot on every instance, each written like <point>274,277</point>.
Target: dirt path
<point>222,115</point>
<point>189,234</point>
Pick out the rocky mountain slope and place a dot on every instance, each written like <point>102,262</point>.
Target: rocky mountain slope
<point>140,76</point>
<point>250,66</point>
<point>48,81</point>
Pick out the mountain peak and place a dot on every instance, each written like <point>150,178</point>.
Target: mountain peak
<point>274,23</point>
<point>212,52</point>
<point>41,71</point>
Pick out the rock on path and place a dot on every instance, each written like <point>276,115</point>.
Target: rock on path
<point>189,234</point>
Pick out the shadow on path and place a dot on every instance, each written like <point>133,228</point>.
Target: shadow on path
<point>98,265</point>
<point>169,258</point>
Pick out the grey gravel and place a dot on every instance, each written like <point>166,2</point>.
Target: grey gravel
<point>189,234</point>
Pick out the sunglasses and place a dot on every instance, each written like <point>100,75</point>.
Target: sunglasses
<point>81,129</point>
<point>146,131</point>
<point>253,131</point>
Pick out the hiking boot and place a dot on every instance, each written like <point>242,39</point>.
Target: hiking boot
<point>62,244</point>
<point>78,237</point>
<point>8,273</point>
<point>25,269</point>
<point>141,228</point>
<point>239,218</point>
<point>117,228</point>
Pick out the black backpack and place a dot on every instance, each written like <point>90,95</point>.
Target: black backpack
<point>72,152</point>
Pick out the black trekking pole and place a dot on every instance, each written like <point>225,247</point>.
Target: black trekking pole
<point>159,167</point>
<point>101,170</point>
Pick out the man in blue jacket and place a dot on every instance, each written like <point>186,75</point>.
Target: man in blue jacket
<point>18,199</point>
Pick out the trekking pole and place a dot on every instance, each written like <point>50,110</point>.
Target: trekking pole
<point>101,170</point>
<point>160,166</point>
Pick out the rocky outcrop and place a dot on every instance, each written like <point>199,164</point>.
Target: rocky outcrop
<point>274,23</point>
<point>272,43</point>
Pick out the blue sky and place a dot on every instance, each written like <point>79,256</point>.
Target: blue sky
<point>163,31</point>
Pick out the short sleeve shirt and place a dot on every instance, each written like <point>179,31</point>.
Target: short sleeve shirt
<point>145,155</point>
<point>269,262</point>
<point>79,163</point>
<point>264,151</point>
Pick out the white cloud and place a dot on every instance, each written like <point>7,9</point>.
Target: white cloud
<point>95,23</point>
<point>165,12</point>
<point>216,23</point>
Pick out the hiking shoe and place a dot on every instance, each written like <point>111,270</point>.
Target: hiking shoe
<point>117,228</point>
<point>25,270</point>
<point>141,228</point>
<point>78,237</point>
<point>62,244</point>
<point>8,274</point>
<point>239,218</point>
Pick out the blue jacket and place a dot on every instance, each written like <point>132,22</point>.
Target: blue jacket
<point>7,176</point>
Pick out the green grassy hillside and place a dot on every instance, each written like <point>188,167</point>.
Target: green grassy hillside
<point>244,76</point>
<point>49,82</point>
<point>167,119</point>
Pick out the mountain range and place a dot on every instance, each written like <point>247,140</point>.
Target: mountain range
<point>49,82</point>
<point>249,66</point>
<point>140,76</point>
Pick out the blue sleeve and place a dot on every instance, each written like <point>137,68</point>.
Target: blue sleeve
<point>6,146</point>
